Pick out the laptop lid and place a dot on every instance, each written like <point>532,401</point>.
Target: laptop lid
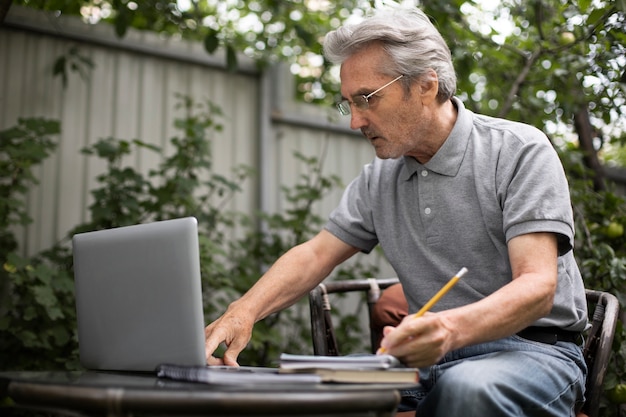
<point>139,296</point>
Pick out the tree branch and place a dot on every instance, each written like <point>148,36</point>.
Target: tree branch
<point>521,77</point>
<point>585,130</point>
<point>5,5</point>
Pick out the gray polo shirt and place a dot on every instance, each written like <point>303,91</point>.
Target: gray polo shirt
<point>491,180</point>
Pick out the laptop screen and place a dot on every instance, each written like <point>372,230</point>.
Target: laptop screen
<point>139,296</point>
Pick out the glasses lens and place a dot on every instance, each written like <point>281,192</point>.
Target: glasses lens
<point>361,102</point>
<point>344,107</point>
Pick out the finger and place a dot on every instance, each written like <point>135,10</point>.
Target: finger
<point>211,343</point>
<point>213,361</point>
<point>230,358</point>
<point>395,336</point>
<point>234,348</point>
<point>421,347</point>
<point>411,327</point>
<point>415,355</point>
<point>387,330</point>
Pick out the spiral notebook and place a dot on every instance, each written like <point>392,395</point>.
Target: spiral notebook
<point>139,296</point>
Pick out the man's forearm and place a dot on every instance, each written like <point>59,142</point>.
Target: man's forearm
<point>293,275</point>
<point>527,298</point>
<point>288,280</point>
<point>503,313</point>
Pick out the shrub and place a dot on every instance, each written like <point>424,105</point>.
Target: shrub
<point>38,327</point>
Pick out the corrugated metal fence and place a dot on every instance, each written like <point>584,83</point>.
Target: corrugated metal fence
<point>131,93</point>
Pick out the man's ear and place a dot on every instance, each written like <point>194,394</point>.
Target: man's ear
<point>429,86</point>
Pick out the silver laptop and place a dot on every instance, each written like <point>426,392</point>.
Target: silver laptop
<point>139,296</point>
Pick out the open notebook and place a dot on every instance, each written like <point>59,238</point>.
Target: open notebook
<point>139,296</point>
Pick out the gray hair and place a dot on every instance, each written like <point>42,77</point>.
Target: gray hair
<point>411,41</point>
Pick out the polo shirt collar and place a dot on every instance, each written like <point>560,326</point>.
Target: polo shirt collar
<point>447,161</point>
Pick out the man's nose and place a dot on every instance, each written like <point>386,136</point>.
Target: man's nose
<point>357,119</point>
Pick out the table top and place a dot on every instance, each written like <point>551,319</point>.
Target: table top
<point>99,393</point>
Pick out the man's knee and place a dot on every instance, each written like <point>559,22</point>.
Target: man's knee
<point>466,392</point>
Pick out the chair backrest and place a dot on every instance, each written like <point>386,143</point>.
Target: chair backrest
<point>323,333</point>
<point>597,349</point>
<point>598,345</point>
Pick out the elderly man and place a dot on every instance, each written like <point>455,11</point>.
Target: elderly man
<point>448,189</point>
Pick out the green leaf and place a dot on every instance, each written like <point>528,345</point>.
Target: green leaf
<point>59,65</point>
<point>121,23</point>
<point>306,36</point>
<point>595,16</point>
<point>60,335</point>
<point>59,69</point>
<point>211,42</point>
<point>29,313</point>
<point>28,338</point>
<point>44,274</point>
<point>44,296</point>
<point>4,323</point>
<point>231,58</point>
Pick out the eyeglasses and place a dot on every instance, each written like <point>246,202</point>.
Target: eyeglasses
<point>362,102</point>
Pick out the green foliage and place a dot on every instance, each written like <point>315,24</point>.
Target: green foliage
<point>537,62</point>
<point>21,147</point>
<point>36,329</point>
<point>600,249</point>
<point>72,61</point>
<point>35,296</point>
<point>276,30</point>
<point>553,58</point>
<point>38,324</point>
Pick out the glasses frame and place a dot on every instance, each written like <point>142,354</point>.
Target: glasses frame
<point>361,101</point>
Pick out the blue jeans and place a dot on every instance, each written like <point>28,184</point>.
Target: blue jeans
<point>508,377</point>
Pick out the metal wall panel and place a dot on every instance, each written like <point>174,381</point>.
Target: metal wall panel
<point>131,93</point>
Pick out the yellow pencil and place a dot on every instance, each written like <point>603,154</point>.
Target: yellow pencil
<point>436,297</point>
<point>440,293</point>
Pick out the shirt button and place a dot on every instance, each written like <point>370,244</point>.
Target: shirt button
<point>424,173</point>
<point>427,210</point>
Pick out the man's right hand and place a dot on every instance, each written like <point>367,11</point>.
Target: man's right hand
<point>234,331</point>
